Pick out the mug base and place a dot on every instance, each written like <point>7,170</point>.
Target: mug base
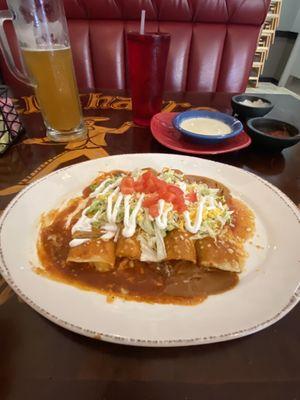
<point>79,133</point>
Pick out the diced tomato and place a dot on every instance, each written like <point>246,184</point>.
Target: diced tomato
<point>180,206</point>
<point>163,188</point>
<point>175,189</point>
<point>150,182</point>
<point>127,190</point>
<point>156,189</point>
<point>147,175</point>
<point>169,197</point>
<point>138,185</point>
<point>150,200</point>
<point>154,211</point>
<point>192,197</point>
<point>127,185</point>
<point>150,186</point>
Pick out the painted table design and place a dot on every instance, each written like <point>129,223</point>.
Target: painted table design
<point>260,365</point>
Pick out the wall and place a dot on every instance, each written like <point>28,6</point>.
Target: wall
<point>296,25</point>
<point>295,71</point>
<point>278,57</point>
<point>289,12</point>
<point>282,47</point>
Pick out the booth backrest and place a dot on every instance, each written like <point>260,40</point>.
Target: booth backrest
<point>212,41</point>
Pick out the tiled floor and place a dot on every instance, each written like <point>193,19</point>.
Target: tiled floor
<point>266,87</point>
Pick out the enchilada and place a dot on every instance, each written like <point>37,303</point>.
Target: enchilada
<point>146,227</point>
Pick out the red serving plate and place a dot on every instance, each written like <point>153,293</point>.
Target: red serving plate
<point>165,133</point>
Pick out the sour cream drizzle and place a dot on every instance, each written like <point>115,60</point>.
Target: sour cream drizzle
<point>111,230</point>
<point>102,188</point>
<point>211,203</point>
<point>111,213</point>
<point>111,227</point>
<point>78,242</point>
<point>130,219</point>
<point>99,188</point>
<point>194,228</point>
<point>77,209</point>
<point>84,224</point>
<point>111,186</point>
<point>116,209</point>
<point>162,219</point>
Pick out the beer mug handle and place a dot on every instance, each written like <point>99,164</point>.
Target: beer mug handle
<point>6,15</point>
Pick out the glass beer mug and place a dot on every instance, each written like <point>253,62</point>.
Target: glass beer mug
<point>42,33</point>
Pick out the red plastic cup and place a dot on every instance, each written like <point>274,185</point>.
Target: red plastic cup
<point>147,60</point>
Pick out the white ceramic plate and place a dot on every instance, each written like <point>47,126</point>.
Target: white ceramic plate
<point>268,289</point>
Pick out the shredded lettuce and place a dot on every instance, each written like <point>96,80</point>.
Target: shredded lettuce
<point>173,219</point>
<point>160,244</point>
<point>170,176</point>
<point>145,223</point>
<point>216,213</point>
<point>93,186</point>
<point>148,251</point>
<point>152,246</point>
<point>97,205</point>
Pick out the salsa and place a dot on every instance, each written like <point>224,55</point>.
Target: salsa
<point>279,133</point>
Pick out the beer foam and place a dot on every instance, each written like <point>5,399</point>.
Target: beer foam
<point>41,36</point>
<point>54,47</point>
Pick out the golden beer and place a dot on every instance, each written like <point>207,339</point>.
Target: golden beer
<point>56,89</point>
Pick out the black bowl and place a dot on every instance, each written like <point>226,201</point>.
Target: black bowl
<point>258,129</point>
<point>245,112</point>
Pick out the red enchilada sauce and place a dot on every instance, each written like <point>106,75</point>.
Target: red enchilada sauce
<point>178,282</point>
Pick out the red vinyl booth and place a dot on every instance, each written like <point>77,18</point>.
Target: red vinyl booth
<point>212,41</point>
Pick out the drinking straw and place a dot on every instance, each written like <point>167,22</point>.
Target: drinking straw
<point>142,26</point>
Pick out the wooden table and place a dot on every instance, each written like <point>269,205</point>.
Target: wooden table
<point>39,360</point>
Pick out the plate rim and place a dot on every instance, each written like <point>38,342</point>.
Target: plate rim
<point>119,339</point>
